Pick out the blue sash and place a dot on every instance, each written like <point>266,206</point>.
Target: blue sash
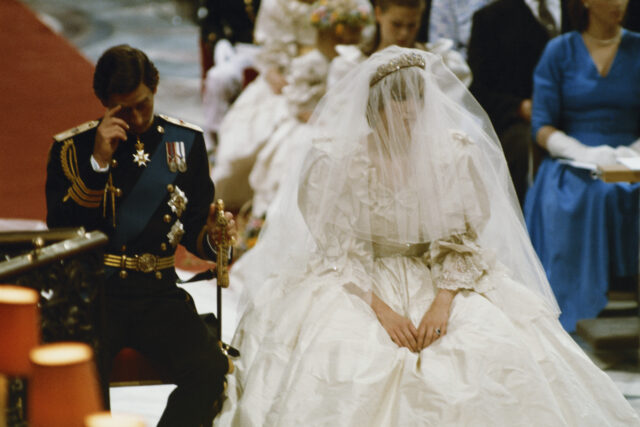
<point>136,210</point>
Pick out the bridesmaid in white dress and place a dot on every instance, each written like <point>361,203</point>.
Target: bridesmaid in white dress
<point>339,22</point>
<point>284,31</point>
<point>395,284</point>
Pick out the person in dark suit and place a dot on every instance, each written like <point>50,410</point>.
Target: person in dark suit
<point>423,32</point>
<point>507,39</point>
<point>232,20</point>
<point>143,179</point>
<point>632,20</point>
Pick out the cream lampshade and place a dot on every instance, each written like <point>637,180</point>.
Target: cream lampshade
<point>63,388</point>
<point>20,330</point>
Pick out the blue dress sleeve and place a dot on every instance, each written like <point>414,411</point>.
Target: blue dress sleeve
<point>547,87</point>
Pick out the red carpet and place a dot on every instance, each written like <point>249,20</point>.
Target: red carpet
<point>45,88</point>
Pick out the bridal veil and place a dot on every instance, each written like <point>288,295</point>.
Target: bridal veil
<point>399,129</point>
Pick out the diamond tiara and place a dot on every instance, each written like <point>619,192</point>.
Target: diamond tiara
<point>403,61</point>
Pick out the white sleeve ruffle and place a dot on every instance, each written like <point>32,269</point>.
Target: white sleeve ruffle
<point>306,82</point>
<point>459,263</point>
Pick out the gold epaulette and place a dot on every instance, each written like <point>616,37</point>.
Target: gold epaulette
<point>62,136</point>
<point>181,123</point>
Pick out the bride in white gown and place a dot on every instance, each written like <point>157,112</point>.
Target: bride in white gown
<point>394,283</point>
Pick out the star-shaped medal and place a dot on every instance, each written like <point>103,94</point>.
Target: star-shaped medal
<point>141,158</point>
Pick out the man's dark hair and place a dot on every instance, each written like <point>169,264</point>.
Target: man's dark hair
<point>120,70</point>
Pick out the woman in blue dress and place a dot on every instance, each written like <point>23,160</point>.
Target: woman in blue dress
<point>586,108</point>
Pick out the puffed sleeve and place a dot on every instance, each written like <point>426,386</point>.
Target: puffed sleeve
<point>342,252</point>
<point>547,78</point>
<point>452,59</point>
<point>456,260</point>
<point>306,82</point>
<point>349,56</point>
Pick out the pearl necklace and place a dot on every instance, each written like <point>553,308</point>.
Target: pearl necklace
<point>604,42</point>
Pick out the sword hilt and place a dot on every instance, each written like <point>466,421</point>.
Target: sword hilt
<point>222,246</point>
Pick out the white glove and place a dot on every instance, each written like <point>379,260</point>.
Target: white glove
<point>560,144</point>
<point>635,146</point>
<point>627,151</point>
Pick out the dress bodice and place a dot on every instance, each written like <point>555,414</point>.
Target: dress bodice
<point>571,94</point>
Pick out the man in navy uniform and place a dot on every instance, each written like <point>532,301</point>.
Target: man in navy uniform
<point>143,179</point>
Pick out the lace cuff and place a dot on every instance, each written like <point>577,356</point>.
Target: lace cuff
<point>458,263</point>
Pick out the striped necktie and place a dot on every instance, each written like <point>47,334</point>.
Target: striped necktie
<point>546,19</point>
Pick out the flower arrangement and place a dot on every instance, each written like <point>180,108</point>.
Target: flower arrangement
<point>337,14</point>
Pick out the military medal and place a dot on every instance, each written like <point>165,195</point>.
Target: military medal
<point>141,158</point>
<point>175,234</point>
<point>178,201</point>
<point>176,158</point>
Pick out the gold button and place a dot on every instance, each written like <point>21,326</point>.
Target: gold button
<point>167,218</point>
<point>158,275</point>
<point>163,246</point>
<point>118,192</point>
<point>160,129</point>
<point>170,188</point>
<point>123,274</point>
<point>114,163</point>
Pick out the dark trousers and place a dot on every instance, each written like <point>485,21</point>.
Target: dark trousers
<point>517,143</point>
<point>165,327</point>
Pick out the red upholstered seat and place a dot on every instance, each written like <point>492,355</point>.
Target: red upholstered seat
<point>130,367</point>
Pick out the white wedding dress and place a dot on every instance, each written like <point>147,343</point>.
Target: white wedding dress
<point>313,352</point>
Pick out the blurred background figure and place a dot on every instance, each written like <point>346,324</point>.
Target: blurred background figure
<point>228,57</point>
<point>586,107</point>
<point>451,19</point>
<point>338,22</point>
<point>507,39</point>
<point>284,31</point>
<point>397,22</point>
<point>231,20</point>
